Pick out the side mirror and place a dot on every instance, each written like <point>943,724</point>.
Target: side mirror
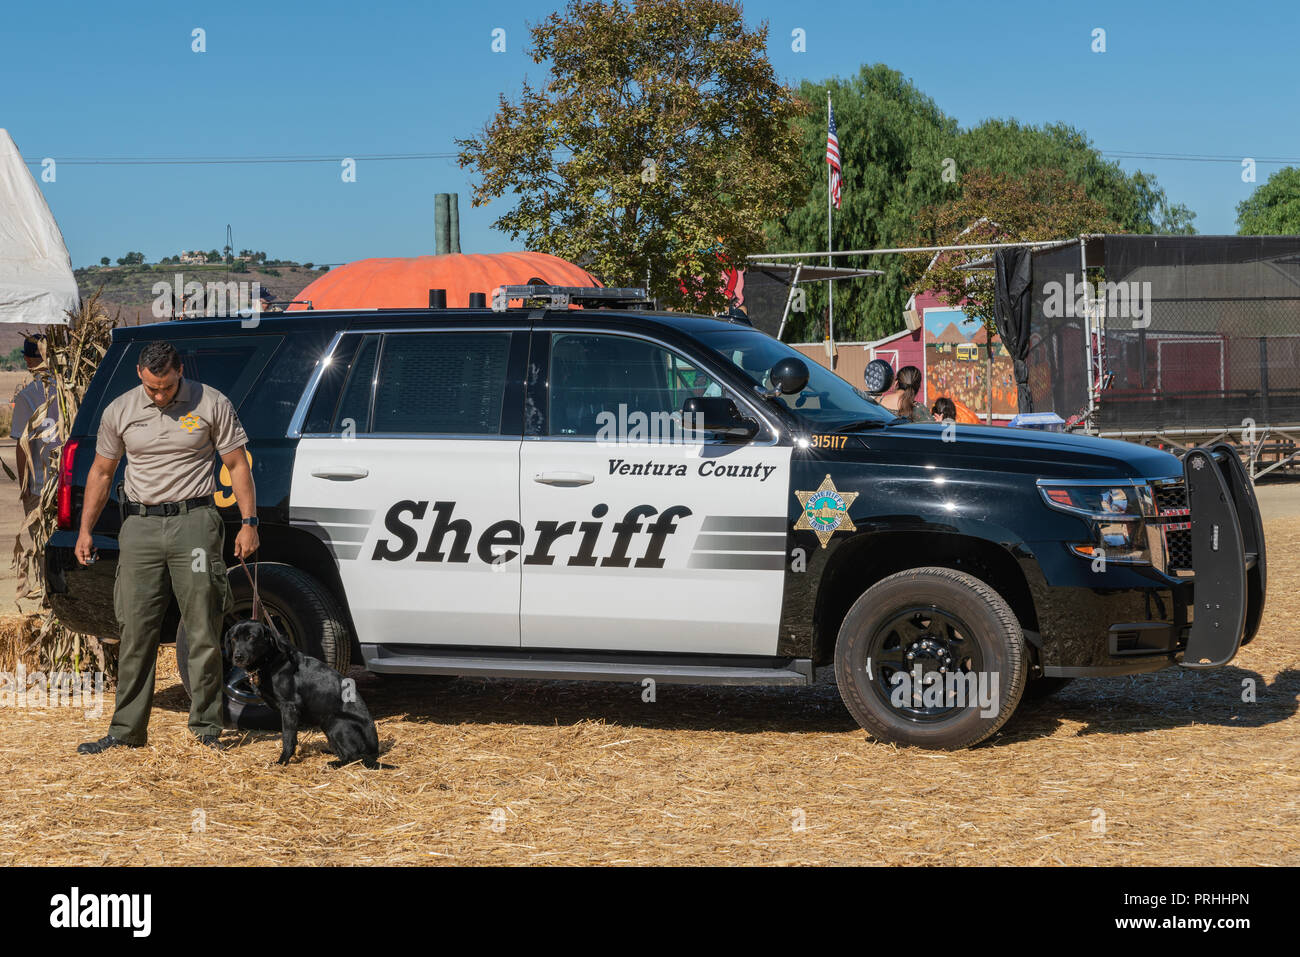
<point>716,414</point>
<point>789,376</point>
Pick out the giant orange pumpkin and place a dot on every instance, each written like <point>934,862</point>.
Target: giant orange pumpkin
<point>405,283</point>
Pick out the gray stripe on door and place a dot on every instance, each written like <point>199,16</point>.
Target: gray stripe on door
<point>769,562</point>
<point>743,523</point>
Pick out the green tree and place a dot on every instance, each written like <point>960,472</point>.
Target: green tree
<point>659,145</point>
<point>893,142</point>
<point>104,260</point>
<point>900,153</point>
<point>1273,209</point>
<point>1135,201</point>
<point>1039,204</point>
<point>213,255</point>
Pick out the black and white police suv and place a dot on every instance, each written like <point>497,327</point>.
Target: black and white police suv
<point>616,494</point>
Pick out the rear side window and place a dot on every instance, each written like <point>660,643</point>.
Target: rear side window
<point>450,383</point>
<point>230,365</point>
<point>320,415</point>
<point>272,401</point>
<point>353,411</point>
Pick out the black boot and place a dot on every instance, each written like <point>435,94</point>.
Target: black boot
<point>103,744</point>
<point>211,741</point>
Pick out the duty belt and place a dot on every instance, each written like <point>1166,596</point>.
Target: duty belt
<point>167,508</point>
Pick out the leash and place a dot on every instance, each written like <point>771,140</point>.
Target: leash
<point>258,610</point>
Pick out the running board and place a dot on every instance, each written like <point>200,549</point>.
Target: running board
<point>386,660</point>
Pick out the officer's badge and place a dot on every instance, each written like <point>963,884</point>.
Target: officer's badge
<point>825,511</point>
<point>190,422</point>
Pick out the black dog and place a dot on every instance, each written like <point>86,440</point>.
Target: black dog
<point>305,691</point>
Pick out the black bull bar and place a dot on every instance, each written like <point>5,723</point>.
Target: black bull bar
<point>1231,572</point>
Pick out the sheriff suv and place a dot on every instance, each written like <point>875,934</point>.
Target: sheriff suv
<point>616,494</point>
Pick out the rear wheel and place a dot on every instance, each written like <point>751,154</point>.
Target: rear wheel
<point>303,610</point>
<point>931,657</point>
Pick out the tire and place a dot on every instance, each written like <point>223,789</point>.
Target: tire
<point>1044,687</point>
<point>303,610</point>
<point>948,620</point>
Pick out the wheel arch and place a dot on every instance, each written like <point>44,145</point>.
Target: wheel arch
<point>866,559</point>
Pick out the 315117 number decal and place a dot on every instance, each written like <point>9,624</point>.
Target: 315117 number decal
<point>829,441</point>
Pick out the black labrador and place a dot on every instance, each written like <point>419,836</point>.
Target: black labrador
<point>305,691</point>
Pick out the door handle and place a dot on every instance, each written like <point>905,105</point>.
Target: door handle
<point>342,473</point>
<point>564,479</point>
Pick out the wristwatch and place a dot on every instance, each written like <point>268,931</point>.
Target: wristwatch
<point>249,521</point>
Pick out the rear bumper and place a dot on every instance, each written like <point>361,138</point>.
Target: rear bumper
<point>82,595</point>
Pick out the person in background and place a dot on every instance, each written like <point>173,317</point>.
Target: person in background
<point>902,401</point>
<point>953,410</point>
<point>269,303</point>
<point>944,409</point>
<point>43,439</point>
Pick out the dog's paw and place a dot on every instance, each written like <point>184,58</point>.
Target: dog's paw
<point>282,759</point>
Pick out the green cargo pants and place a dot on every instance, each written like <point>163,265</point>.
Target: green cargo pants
<point>162,555</point>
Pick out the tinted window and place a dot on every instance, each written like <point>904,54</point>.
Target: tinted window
<point>320,416</point>
<point>593,375</point>
<point>354,405</point>
<point>827,402</point>
<point>442,382</point>
<point>229,365</point>
<point>271,403</point>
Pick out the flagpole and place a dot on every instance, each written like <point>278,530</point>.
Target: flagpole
<point>830,246</point>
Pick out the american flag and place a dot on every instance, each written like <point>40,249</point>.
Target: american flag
<point>833,159</point>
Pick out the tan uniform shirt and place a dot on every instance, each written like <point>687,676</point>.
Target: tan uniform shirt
<point>169,450</point>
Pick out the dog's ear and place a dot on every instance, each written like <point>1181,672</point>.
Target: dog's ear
<point>282,644</point>
<point>228,639</point>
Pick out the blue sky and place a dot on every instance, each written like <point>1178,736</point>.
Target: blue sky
<point>348,78</point>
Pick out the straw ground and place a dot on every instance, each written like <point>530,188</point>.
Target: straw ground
<point>1169,768</point>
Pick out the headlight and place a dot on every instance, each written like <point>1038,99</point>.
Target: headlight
<point>1115,512</point>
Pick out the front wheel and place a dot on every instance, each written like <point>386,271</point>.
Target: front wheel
<point>303,610</point>
<point>931,657</point>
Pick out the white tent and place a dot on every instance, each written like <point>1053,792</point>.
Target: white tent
<point>36,281</point>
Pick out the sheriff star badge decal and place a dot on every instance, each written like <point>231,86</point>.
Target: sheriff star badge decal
<point>825,511</point>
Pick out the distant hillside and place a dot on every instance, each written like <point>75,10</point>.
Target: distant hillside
<point>130,288</point>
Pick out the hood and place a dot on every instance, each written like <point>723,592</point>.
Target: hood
<point>1026,451</point>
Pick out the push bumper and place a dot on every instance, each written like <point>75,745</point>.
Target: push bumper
<point>1145,620</point>
<point>1228,556</point>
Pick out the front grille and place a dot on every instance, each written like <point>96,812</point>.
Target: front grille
<point>1171,498</point>
<point>1178,550</point>
<point>1175,525</point>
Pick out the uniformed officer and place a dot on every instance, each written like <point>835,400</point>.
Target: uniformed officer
<point>172,535</point>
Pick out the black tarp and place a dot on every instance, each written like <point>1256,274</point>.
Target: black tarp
<point>1057,359</point>
<point>1219,347</point>
<point>1013,302</point>
<point>1197,332</point>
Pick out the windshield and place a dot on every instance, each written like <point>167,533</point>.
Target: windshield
<point>826,403</point>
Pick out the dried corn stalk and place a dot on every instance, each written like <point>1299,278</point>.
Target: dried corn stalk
<point>70,354</point>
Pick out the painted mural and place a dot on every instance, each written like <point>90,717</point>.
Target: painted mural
<point>956,363</point>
